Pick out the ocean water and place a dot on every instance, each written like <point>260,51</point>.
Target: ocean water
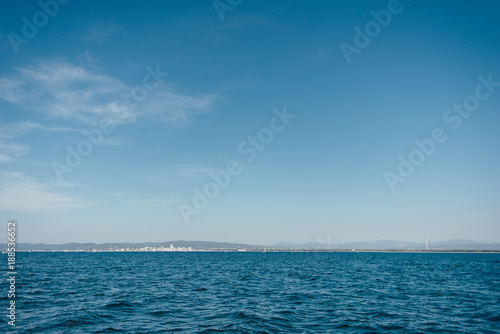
<point>255,293</point>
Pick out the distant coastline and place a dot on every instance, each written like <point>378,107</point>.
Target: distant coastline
<point>458,251</point>
<point>451,246</point>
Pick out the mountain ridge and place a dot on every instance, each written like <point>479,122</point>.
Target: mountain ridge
<point>384,244</point>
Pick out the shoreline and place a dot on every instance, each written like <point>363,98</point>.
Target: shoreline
<point>440,251</point>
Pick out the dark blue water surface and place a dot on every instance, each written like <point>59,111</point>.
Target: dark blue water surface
<point>208,292</point>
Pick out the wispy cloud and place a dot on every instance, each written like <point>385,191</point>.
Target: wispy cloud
<point>100,31</point>
<point>166,175</point>
<point>4,158</point>
<point>149,203</point>
<point>175,109</point>
<point>21,193</point>
<point>116,141</point>
<point>10,151</point>
<point>117,193</point>
<point>62,90</point>
<point>321,54</point>
<point>13,130</point>
<point>184,171</point>
<point>65,91</point>
<point>192,171</point>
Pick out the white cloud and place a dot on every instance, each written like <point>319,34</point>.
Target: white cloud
<point>10,90</point>
<point>116,141</point>
<point>21,193</point>
<point>12,130</point>
<point>65,91</point>
<point>5,158</point>
<point>117,193</point>
<point>181,170</point>
<point>100,31</point>
<point>61,90</point>
<point>10,151</point>
<point>192,171</point>
<point>149,203</point>
<point>174,109</point>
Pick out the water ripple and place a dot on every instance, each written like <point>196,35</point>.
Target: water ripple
<point>257,293</point>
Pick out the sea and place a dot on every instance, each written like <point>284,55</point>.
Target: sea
<point>254,292</point>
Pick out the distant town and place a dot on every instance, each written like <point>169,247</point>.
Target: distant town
<point>256,250</point>
<point>207,246</point>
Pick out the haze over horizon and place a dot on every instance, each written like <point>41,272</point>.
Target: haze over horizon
<point>323,243</point>
<point>269,122</point>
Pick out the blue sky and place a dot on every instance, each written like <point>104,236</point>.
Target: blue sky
<point>200,83</point>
